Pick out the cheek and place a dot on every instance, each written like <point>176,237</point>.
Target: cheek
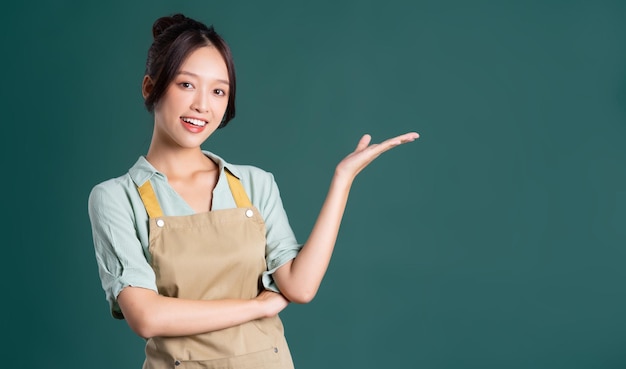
<point>171,101</point>
<point>166,107</point>
<point>224,102</point>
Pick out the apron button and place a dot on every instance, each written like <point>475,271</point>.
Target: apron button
<point>160,223</point>
<point>249,213</point>
<point>177,363</point>
<point>276,349</point>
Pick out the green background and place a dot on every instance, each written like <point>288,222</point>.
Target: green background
<point>497,240</point>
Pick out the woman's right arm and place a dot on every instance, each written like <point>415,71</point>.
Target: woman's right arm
<point>149,314</point>
<point>129,281</point>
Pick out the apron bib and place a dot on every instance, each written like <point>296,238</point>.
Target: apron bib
<point>215,255</point>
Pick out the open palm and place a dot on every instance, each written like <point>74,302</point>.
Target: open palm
<point>365,153</point>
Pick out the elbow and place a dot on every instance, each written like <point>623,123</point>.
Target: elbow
<point>145,322</point>
<point>140,309</point>
<point>295,289</point>
<point>300,296</point>
<point>145,333</point>
<point>143,327</point>
<point>302,300</point>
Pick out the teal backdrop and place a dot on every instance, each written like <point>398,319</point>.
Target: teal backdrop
<point>497,240</point>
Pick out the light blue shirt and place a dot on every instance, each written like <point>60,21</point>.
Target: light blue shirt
<point>119,223</point>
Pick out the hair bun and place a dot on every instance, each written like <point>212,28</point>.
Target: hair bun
<point>163,23</point>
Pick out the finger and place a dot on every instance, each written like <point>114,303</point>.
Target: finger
<point>363,142</point>
<point>398,140</point>
<point>407,137</point>
<point>393,142</point>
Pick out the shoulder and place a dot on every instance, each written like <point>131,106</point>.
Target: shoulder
<point>111,191</point>
<point>113,186</point>
<point>259,184</point>
<point>249,174</point>
<point>250,171</point>
<point>252,176</point>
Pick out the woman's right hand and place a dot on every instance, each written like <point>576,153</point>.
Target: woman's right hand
<point>272,302</point>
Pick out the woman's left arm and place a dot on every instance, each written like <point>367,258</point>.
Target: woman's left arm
<point>300,278</point>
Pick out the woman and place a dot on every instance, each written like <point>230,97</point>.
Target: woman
<point>196,253</point>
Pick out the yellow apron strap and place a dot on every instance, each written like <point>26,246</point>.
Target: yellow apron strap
<point>154,209</point>
<point>149,200</point>
<point>239,194</point>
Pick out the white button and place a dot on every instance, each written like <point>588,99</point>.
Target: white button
<point>160,222</point>
<point>249,213</point>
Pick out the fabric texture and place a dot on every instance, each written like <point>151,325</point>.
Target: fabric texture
<point>120,222</point>
<point>213,256</point>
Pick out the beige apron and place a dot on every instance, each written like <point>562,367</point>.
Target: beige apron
<point>215,255</point>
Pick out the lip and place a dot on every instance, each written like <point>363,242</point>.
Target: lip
<point>193,128</point>
<point>192,117</point>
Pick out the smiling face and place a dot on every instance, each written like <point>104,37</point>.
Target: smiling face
<point>194,103</point>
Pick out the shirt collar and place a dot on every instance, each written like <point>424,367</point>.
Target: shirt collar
<point>142,170</point>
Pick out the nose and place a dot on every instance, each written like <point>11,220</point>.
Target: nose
<point>201,102</point>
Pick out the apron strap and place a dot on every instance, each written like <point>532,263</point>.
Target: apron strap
<point>149,200</point>
<point>148,197</point>
<point>236,188</point>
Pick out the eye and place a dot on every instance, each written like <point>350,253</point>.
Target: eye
<point>219,92</point>
<point>186,85</point>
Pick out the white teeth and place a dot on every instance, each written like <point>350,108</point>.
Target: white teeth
<point>195,122</point>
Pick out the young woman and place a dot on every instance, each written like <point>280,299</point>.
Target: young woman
<point>194,252</point>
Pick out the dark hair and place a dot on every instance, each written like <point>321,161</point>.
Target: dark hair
<point>175,37</point>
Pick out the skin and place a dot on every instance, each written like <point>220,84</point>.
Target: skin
<point>200,90</point>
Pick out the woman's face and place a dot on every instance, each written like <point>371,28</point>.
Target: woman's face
<point>195,102</point>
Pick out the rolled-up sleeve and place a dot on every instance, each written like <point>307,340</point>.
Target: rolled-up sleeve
<point>282,245</point>
<point>119,252</point>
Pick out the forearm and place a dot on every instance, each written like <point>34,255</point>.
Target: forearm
<point>149,314</point>
<point>300,279</point>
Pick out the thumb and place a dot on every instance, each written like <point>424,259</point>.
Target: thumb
<point>363,142</point>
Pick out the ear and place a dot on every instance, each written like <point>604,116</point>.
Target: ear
<point>146,86</point>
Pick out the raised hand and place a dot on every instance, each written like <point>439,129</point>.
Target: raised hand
<point>300,278</point>
<point>365,153</point>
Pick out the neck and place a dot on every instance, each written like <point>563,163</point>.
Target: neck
<point>179,162</point>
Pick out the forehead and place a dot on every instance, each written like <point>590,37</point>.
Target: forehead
<point>205,62</point>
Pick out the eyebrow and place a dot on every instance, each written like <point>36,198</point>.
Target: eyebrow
<point>197,76</point>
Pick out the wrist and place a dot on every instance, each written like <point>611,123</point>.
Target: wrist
<point>259,307</point>
<point>342,179</point>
